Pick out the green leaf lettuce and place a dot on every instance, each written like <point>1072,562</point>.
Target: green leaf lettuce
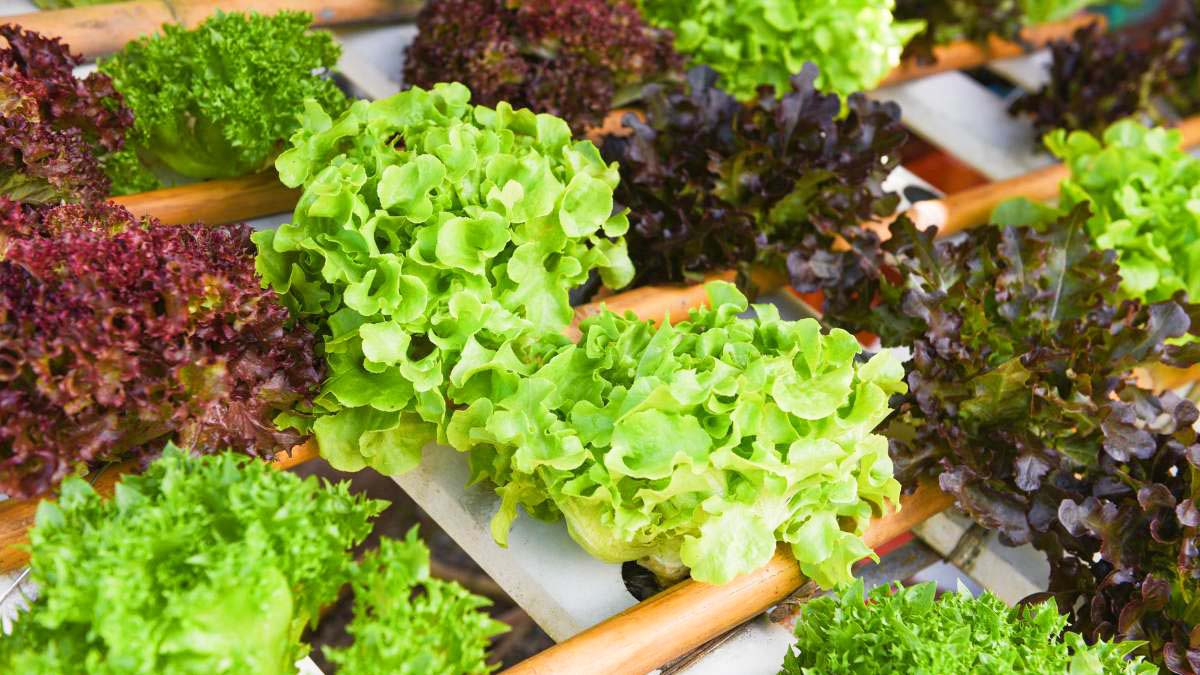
<point>219,100</point>
<point>408,623</point>
<point>200,565</point>
<point>752,42</point>
<point>434,242</point>
<point>1143,190</point>
<point>893,629</point>
<point>697,445</point>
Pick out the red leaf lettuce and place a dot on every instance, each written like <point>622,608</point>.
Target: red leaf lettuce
<point>116,335</point>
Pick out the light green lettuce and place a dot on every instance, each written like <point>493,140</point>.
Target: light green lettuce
<point>211,564</point>
<point>700,444</point>
<point>1144,194</point>
<point>408,623</point>
<point>216,565</point>
<point>433,243</point>
<point>753,42</point>
<point>893,629</point>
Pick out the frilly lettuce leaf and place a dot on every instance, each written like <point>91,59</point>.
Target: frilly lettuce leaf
<point>753,42</point>
<point>894,629</point>
<point>217,564</point>
<point>408,623</point>
<point>434,242</point>
<point>219,99</point>
<point>702,443</point>
<point>209,564</point>
<point>1143,191</point>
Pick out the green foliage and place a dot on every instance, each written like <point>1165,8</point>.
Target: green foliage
<point>127,174</point>
<point>201,565</point>
<point>752,42</point>
<point>219,100</point>
<point>434,242</point>
<point>406,623</point>
<point>1042,11</point>
<point>702,443</point>
<point>1142,189</point>
<point>910,630</point>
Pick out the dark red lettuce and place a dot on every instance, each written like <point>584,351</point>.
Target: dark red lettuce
<point>576,59</point>
<point>55,129</point>
<point>1023,404</point>
<point>1097,78</point>
<point>713,184</point>
<point>1123,551</point>
<point>117,335</point>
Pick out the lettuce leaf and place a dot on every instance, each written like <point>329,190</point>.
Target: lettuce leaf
<point>700,444</point>
<point>1098,77</point>
<point>894,629</point>
<point>434,242</point>
<point>575,59</point>
<point>200,565</point>
<point>56,130</point>
<point>1024,405</point>
<point>1143,190</point>
<point>219,100</point>
<point>783,182</point>
<point>754,42</point>
<point>117,334</point>
<point>217,564</point>
<point>407,623</point>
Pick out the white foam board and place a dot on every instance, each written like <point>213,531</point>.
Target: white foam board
<point>967,120</point>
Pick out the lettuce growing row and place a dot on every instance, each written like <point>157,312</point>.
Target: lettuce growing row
<point>219,100</point>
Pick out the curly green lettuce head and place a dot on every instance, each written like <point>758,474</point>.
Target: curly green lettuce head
<point>408,623</point>
<point>219,100</point>
<point>893,629</point>
<point>702,443</point>
<point>754,42</point>
<point>1143,190</point>
<point>434,242</point>
<point>209,564</point>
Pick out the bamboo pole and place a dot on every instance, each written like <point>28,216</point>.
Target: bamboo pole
<point>691,613</point>
<point>215,202</point>
<point>99,30</point>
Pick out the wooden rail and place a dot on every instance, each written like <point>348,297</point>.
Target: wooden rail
<point>100,30</point>
<point>691,613</point>
<point>215,202</point>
